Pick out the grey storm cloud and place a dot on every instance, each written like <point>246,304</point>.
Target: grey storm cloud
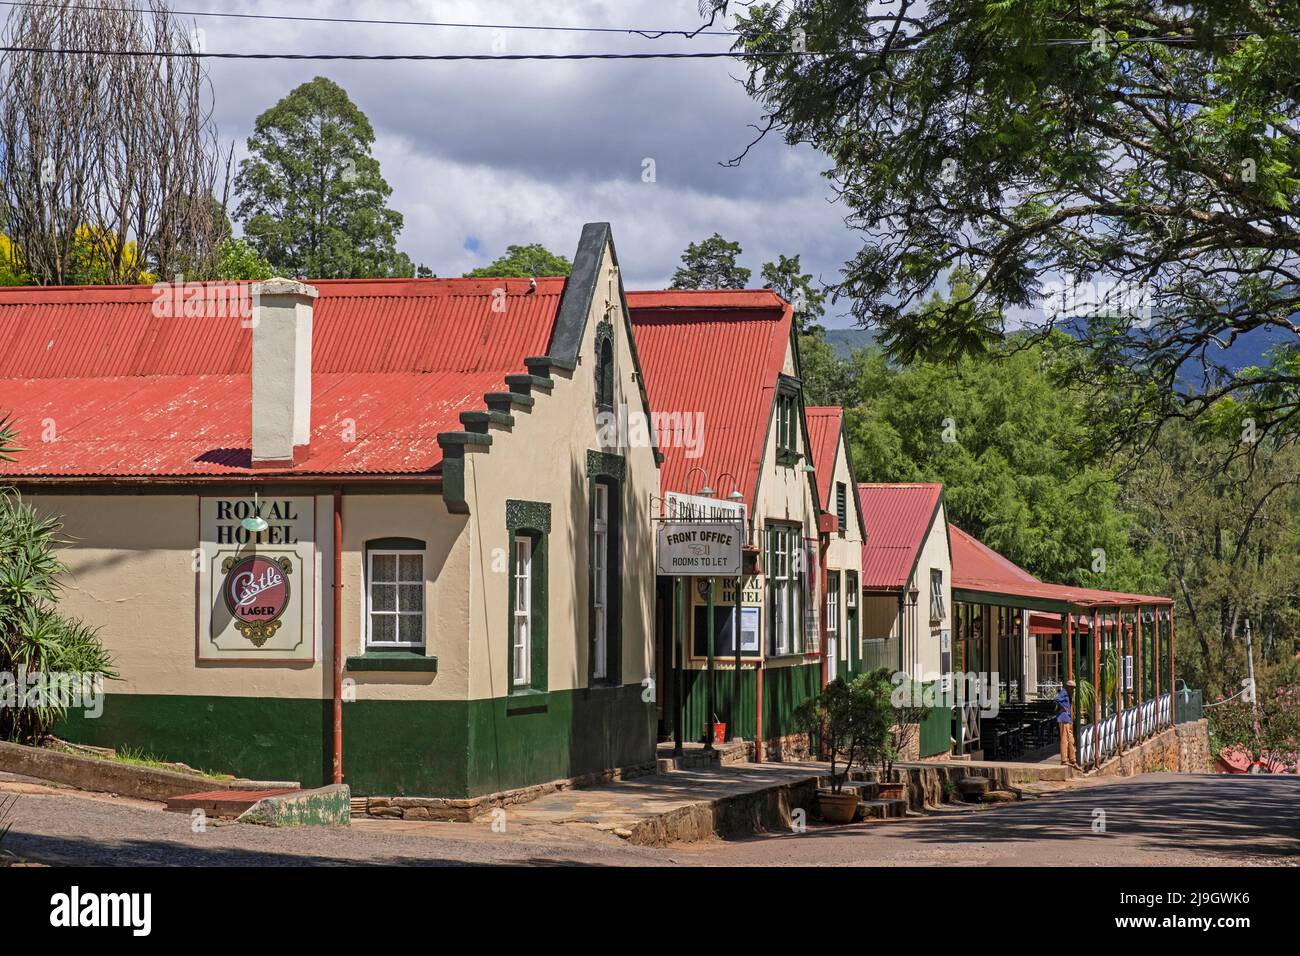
<point>481,155</point>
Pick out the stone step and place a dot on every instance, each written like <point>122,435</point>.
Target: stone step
<point>222,803</point>
<point>881,809</point>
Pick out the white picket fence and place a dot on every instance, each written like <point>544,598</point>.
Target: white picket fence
<point>1155,715</point>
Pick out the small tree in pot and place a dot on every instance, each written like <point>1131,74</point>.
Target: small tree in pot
<point>852,723</point>
<point>902,704</point>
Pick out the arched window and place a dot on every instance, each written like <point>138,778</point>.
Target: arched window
<point>605,369</point>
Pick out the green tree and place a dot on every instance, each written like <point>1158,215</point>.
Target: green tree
<point>311,196</point>
<point>787,279</point>
<point>237,260</point>
<point>1011,449</point>
<point>1228,517</point>
<point>524,261</point>
<point>711,264</point>
<point>1150,149</point>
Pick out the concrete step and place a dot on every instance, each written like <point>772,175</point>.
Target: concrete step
<point>222,803</point>
<point>882,809</point>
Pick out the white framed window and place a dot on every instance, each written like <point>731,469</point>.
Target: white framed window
<point>395,599</point>
<point>833,612</point>
<point>521,636</point>
<point>781,590</point>
<point>600,581</point>
<point>937,610</point>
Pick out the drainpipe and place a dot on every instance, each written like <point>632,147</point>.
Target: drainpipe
<point>338,636</point>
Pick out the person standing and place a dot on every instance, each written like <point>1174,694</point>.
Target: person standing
<point>1065,725</point>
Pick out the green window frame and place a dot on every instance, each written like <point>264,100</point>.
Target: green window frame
<point>785,589</point>
<point>787,426</point>
<point>605,478</point>
<point>527,628</point>
<point>604,372</point>
<point>852,636</point>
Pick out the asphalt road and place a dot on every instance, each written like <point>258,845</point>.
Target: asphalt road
<point>1157,819</point>
<point>1152,820</point>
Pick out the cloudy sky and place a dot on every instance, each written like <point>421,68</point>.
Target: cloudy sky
<point>481,155</point>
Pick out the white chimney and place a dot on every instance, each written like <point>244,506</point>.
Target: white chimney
<point>281,369</point>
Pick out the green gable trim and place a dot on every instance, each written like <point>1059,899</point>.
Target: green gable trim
<point>575,307</point>
<point>532,515</point>
<point>393,661</point>
<point>1008,600</point>
<point>506,401</point>
<point>478,422</point>
<point>602,464</point>
<point>525,383</point>
<point>542,365</point>
<point>449,439</point>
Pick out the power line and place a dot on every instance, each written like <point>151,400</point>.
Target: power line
<point>195,54</point>
<point>645,32</point>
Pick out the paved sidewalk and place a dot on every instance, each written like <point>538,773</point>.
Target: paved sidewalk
<point>682,805</point>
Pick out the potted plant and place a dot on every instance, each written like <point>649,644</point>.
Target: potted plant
<point>850,721</point>
<point>904,712</point>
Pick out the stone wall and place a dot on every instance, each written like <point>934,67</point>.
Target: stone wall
<point>1194,747</point>
<point>1183,748</point>
<point>463,810</point>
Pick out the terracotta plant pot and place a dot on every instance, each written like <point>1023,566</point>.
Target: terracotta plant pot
<point>892,789</point>
<point>837,807</point>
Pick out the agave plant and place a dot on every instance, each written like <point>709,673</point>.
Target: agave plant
<point>34,635</point>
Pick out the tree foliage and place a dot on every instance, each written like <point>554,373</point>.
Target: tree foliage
<point>787,279</point>
<point>524,261</point>
<point>711,264</point>
<point>107,163</point>
<point>312,199</point>
<point>1130,164</point>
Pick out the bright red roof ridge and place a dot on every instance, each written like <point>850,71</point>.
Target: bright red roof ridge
<point>825,423</point>
<point>898,517</point>
<point>716,354</point>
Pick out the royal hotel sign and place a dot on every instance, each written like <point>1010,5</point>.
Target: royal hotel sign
<point>257,589</point>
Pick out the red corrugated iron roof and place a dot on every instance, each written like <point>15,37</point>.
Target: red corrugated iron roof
<point>131,393</point>
<point>898,518</point>
<point>824,427</point>
<point>718,354</point>
<point>978,568</point>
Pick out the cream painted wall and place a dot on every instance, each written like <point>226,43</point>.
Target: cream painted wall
<point>934,555</point>
<point>131,574</point>
<point>844,551</point>
<point>544,459</point>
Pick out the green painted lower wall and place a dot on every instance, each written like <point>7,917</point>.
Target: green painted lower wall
<point>784,689</point>
<point>390,748</point>
<point>740,723</point>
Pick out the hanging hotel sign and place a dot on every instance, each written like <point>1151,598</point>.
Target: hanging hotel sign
<point>257,595</point>
<point>683,507</point>
<point>699,548</point>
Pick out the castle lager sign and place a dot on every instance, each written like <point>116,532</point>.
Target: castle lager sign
<point>257,595</point>
<point>700,548</point>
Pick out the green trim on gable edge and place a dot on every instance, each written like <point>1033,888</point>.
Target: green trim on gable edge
<point>390,747</point>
